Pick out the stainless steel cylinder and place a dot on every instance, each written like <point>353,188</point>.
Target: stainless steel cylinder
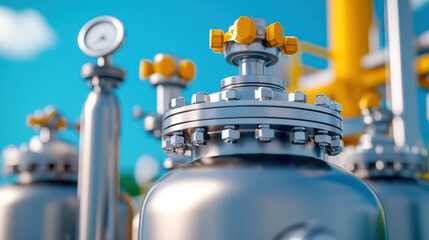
<point>39,211</point>
<point>260,197</point>
<point>98,164</point>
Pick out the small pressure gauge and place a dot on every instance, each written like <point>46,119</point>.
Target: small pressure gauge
<point>101,36</point>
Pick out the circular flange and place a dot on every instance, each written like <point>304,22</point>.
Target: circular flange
<point>252,112</point>
<point>90,70</point>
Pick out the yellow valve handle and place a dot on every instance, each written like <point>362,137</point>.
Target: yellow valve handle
<point>146,69</point>
<point>274,34</point>
<point>166,67</point>
<point>187,70</point>
<point>50,116</point>
<point>370,100</point>
<point>245,31</point>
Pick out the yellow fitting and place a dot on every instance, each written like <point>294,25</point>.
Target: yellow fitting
<point>146,69</point>
<point>165,66</point>
<point>290,45</point>
<point>61,123</point>
<point>370,100</point>
<point>33,121</point>
<point>50,113</point>
<point>216,40</point>
<point>244,31</point>
<point>227,36</point>
<point>187,70</point>
<point>274,34</point>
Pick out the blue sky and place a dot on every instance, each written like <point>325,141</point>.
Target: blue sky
<point>178,27</point>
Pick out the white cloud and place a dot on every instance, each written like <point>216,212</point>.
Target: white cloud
<point>24,34</point>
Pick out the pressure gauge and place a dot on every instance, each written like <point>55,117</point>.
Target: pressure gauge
<point>101,36</point>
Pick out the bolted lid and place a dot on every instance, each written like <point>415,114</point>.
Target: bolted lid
<point>252,114</point>
<point>45,158</point>
<point>376,154</point>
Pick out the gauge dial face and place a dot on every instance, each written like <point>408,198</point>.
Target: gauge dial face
<point>101,36</point>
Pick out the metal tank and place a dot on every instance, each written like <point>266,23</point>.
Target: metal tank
<point>392,171</point>
<point>42,203</point>
<point>169,74</point>
<point>258,169</point>
<point>391,161</point>
<point>101,216</point>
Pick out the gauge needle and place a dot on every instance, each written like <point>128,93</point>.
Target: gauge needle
<point>101,38</point>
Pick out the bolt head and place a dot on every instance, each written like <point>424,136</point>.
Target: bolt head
<point>297,96</point>
<point>298,137</point>
<point>230,94</point>
<point>230,135</point>
<point>322,100</point>
<point>177,102</point>
<point>166,144</point>
<point>336,106</point>
<point>336,147</point>
<point>199,138</point>
<point>177,141</point>
<point>264,134</point>
<point>322,140</point>
<point>200,97</point>
<point>263,93</point>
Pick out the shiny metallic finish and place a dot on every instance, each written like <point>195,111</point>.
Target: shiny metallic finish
<point>403,81</point>
<point>98,169</point>
<point>98,157</point>
<point>392,172</point>
<point>261,173</point>
<point>47,210</point>
<point>259,197</point>
<point>39,211</point>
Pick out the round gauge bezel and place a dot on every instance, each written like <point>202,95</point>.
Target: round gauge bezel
<point>120,36</point>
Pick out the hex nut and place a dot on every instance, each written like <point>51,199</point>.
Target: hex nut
<point>200,97</point>
<point>166,144</point>
<point>230,94</point>
<point>336,106</point>
<point>298,137</point>
<point>297,96</point>
<point>177,141</point>
<point>263,93</point>
<point>264,134</point>
<point>336,146</point>
<point>230,135</point>
<point>322,100</point>
<point>177,102</point>
<point>200,137</point>
<point>322,140</point>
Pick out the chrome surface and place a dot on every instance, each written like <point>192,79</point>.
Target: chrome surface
<point>98,187</point>
<point>406,207</point>
<point>40,211</point>
<point>259,197</point>
<point>98,168</point>
<point>403,81</point>
<point>257,169</point>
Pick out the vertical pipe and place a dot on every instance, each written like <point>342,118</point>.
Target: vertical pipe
<point>98,163</point>
<point>164,94</point>
<point>348,31</point>
<point>403,82</point>
<point>249,66</point>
